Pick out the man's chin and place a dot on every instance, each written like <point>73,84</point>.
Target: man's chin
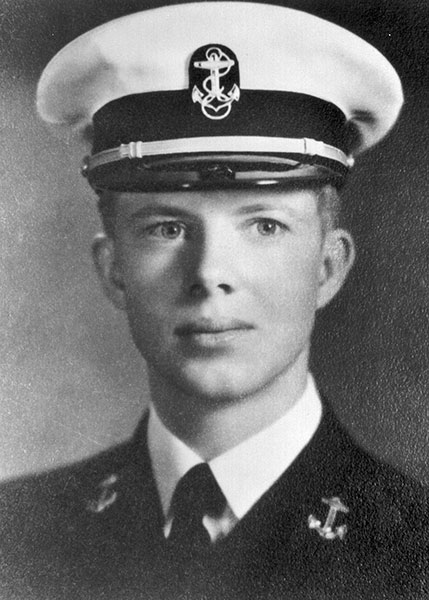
<point>222,388</point>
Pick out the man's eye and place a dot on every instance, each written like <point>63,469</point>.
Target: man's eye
<point>269,227</point>
<point>170,230</point>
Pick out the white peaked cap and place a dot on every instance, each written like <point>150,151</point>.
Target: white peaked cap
<point>281,53</point>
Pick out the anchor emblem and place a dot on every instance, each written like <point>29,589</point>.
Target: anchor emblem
<point>222,64</point>
<point>328,531</point>
<point>107,495</point>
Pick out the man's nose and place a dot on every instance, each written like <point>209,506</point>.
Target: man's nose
<point>212,268</point>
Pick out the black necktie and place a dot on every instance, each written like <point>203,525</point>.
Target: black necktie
<point>197,494</point>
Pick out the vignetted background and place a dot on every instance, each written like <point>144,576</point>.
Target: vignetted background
<point>71,382</point>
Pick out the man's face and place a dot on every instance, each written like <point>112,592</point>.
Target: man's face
<point>220,287</point>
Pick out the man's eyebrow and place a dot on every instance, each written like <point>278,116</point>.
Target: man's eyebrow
<point>149,210</point>
<point>167,210</point>
<point>260,207</point>
<point>288,211</point>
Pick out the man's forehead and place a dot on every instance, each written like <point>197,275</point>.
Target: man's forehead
<point>298,202</point>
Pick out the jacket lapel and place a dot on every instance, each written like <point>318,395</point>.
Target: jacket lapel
<point>122,527</point>
<point>274,547</point>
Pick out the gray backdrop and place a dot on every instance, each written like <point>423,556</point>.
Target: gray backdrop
<point>70,381</point>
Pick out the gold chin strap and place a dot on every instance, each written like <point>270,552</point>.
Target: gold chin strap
<point>221,144</point>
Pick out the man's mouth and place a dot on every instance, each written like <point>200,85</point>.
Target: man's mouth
<point>210,333</point>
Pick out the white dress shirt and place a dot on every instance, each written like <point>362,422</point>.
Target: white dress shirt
<point>246,471</point>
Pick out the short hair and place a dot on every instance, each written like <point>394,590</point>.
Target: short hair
<point>328,206</point>
<point>106,210</point>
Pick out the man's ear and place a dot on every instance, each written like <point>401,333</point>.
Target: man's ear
<point>105,260</point>
<point>338,255</point>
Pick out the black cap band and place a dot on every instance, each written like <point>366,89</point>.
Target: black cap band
<point>269,138</point>
<point>169,115</point>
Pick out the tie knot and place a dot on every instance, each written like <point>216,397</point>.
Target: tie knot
<point>197,495</point>
<point>199,492</point>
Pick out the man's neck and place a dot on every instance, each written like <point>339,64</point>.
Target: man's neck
<point>212,428</point>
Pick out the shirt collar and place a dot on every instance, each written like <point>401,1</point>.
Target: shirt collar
<point>247,471</point>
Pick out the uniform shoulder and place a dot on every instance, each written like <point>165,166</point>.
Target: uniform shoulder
<point>389,503</point>
<point>368,475</point>
<point>46,494</point>
<point>377,479</point>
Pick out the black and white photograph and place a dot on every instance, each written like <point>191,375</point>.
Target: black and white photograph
<point>214,355</point>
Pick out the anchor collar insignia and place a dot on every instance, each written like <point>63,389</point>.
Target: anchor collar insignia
<point>105,495</point>
<point>220,94</point>
<point>330,529</point>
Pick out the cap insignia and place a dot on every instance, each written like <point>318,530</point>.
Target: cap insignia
<point>214,80</point>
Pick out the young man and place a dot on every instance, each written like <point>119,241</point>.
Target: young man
<point>221,134</point>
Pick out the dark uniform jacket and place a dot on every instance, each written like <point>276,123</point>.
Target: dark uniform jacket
<point>93,531</point>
